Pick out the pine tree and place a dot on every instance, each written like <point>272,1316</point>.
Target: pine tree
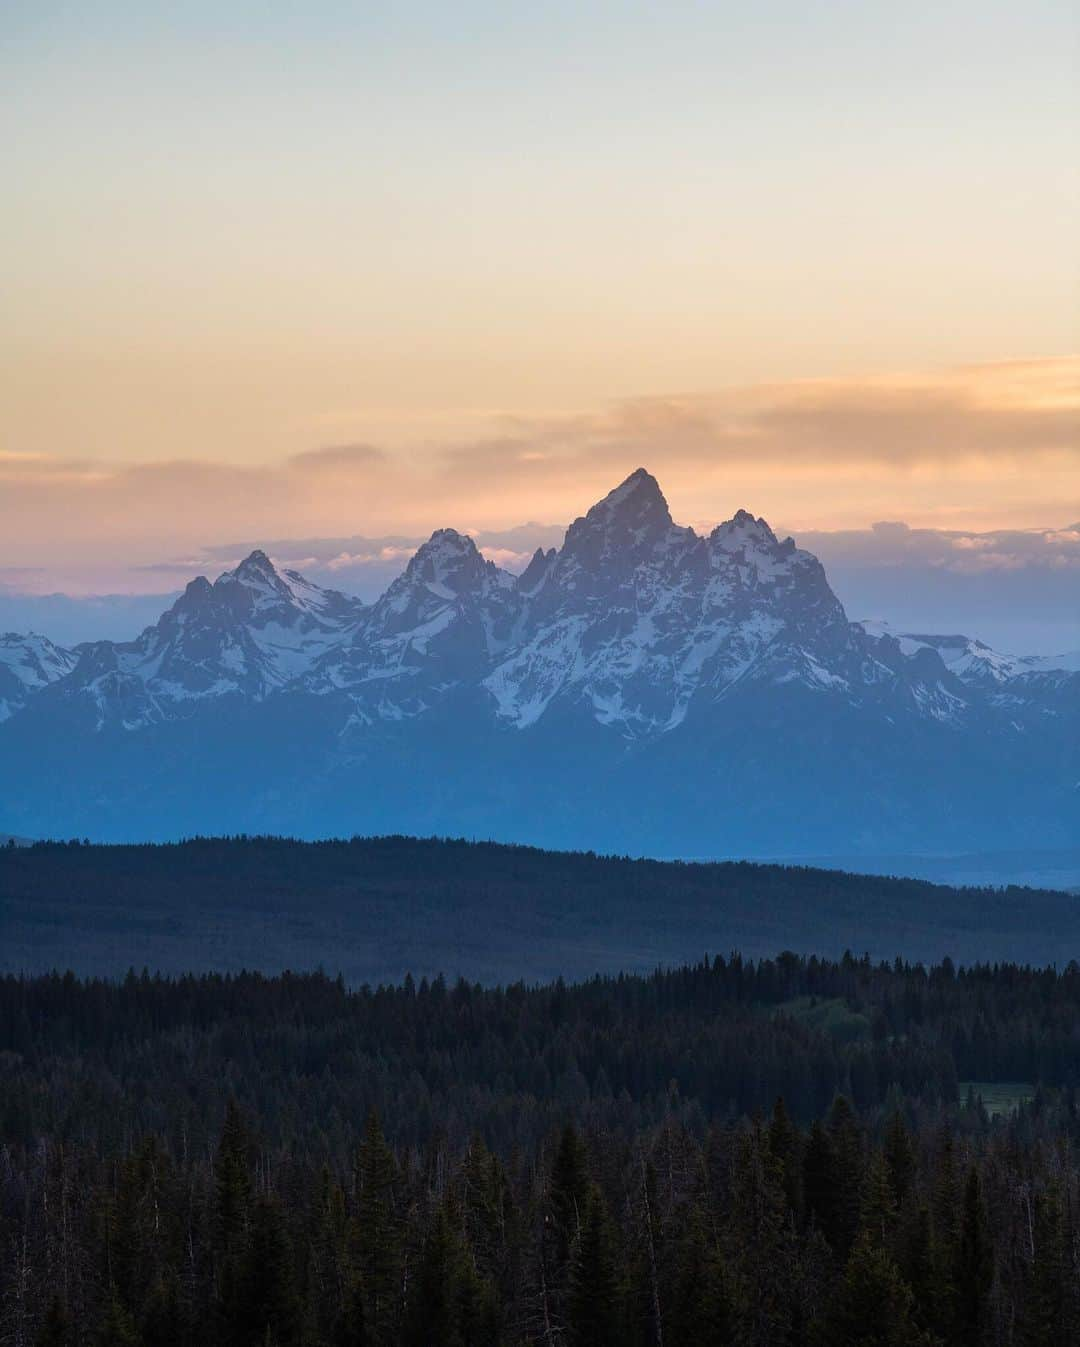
<point>874,1305</point>
<point>569,1191</point>
<point>477,1307</point>
<point>920,1266</point>
<point>785,1144</point>
<point>1047,1308</point>
<point>377,1236</point>
<point>432,1319</point>
<point>847,1175</point>
<point>233,1182</point>
<point>482,1206</point>
<point>328,1263</point>
<point>762,1246</point>
<point>232,1210</point>
<point>877,1218</point>
<point>972,1267</point>
<point>268,1304</point>
<point>700,1301</point>
<point>899,1156</point>
<point>593,1301</point>
<point>819,1192</point>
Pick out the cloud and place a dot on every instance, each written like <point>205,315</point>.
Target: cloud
<point>970,445</point>
<point>1017,412</point>
<point>338,456</point>
<point>357,564</point>
<point>892,545</point>
<point>1018,589</point>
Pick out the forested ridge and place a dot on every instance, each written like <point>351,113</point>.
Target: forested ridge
<point>376,908</point>
<point>783,1151</point>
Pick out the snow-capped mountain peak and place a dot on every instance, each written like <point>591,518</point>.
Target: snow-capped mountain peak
<point>28,664</point>
<point>639,684</point>
<point>743,530</point>
<point>250,633</point>
<point>632,516</point>
<point>634,624</point>
<point>1009,679</point>
<point>256,586</point>
<point>448,564</point>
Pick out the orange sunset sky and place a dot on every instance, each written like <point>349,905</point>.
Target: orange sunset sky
<point>277,271</point>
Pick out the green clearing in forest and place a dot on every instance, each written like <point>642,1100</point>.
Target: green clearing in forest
<point>827,1015</point>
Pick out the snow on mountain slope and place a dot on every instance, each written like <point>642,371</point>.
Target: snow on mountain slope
<point>970,660</point>
<point>978,665</point>
<point>250,633</point>
<point>636,619</point>
<point>642,687</point>
<point>28,664</point>
<point>635,624</point>
<point>438,626</point>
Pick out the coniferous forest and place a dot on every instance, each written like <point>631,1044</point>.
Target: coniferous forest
<point>788,1151</point>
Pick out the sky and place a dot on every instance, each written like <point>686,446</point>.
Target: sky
<point>323,271</point>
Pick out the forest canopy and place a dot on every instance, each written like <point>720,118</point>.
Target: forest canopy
<point>785,1151</point>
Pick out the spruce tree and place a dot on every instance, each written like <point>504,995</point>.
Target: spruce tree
<point>268,1304</point>
<point>899,1156</point>
<point>972,1267</point>
<point>699,1299</point>
<point>874,1305</point>
<point>920,1264</point>
<point>877,1218</point>
<point>569,1191</point>
<point>847,1175</point>
<point>761,1245</point>
<point>432,1316</point>
<point>819,1192</point>
<point>232,1211</point>
<point>377,1236</point>
<point>593,1301</point>
<point>233,1182</point>
<point>785,1144</point>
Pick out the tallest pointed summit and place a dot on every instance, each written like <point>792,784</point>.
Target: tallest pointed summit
<point>631,521</point>
<point>640,492</point>
<point>636,505</point>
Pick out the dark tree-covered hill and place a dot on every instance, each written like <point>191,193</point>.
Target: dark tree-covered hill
<point>375,909</point>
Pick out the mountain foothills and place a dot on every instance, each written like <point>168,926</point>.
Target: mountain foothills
<point>642,689</point>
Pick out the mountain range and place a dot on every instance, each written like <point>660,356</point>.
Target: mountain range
<point>641,689</point>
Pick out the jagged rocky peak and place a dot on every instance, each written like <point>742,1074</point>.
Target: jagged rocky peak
<point>448,564</point>
<point>27,664</point>
<point>742,528</point>
<point>198,590</point>
<point>256,591</point>
<point>635,505</point>
<point>256,573</point>
<point>532,578</point>
<point>631,523</point>
<point>256,564</point>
